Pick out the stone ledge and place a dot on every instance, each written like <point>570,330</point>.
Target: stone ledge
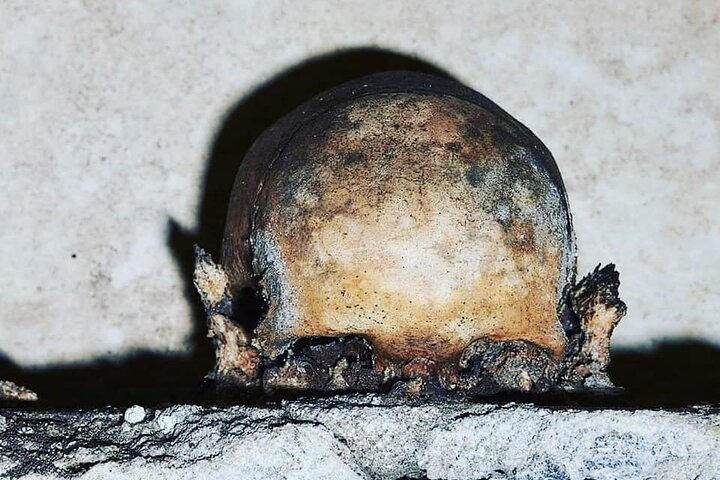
<point>361,437</point>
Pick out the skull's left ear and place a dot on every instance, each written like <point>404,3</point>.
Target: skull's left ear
<point>237,362</point>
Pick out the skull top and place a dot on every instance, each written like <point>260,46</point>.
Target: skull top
<point>407,210</point>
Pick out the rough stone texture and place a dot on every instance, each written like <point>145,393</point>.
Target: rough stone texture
<point>12,392</point>
<point>362,437</point>
<point>110,109</point>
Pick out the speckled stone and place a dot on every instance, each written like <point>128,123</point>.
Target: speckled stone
<point>363,437</point>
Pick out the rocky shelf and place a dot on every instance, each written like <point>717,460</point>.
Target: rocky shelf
<point>361,437</point>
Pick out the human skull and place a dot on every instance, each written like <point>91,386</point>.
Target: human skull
<point>410,218</point>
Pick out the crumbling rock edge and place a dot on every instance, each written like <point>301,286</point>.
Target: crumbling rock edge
<point>11,392</point>
<point>361,437</point>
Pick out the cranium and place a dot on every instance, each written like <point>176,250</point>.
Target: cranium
<point>403,229</point>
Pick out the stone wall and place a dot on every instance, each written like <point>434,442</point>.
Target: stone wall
<point>112,114</point>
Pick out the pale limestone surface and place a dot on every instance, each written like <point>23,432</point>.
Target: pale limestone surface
<point>362,437</point>
<point>109,110</point>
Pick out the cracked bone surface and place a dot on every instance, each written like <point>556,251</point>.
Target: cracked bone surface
<point>361,437</point>
<point>404,230</point>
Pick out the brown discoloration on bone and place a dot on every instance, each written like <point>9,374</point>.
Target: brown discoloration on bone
<point>406,234</point>
<point>237,363</point>
<point>420,328</point>
<point>419,367</point>
<point>237,254</point>
<point>399,248</point>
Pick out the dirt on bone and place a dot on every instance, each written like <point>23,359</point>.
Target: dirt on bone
<point>596,302</point>
<point>405,209</point>
<point>326,364</point>
<point>412,219</point>
<point>346,248</point>
<point>486,367</point>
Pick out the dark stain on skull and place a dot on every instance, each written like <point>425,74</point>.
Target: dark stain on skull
<point>355,157</point>
<point>454,147</point>
<point>418,217</point>
<point>475,175</point>
<point>521,236</point>
<point>326,201</point>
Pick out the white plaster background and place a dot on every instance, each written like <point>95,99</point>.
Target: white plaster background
<point>108,111</point>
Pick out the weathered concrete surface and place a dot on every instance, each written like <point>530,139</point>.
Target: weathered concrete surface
<point>361,437</point>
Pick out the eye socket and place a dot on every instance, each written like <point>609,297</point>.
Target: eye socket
<point>249,308</point>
